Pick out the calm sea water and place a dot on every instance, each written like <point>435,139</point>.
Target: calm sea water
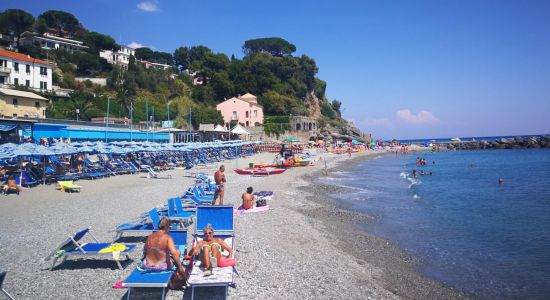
<point>472,233</point>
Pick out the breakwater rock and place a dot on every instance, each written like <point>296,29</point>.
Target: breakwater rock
<point>509,143</point>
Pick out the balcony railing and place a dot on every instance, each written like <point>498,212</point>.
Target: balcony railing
<point>5,70</point>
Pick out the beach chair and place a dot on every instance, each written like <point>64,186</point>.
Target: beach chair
<point>221,219</point>
<point>176,212</point>
<point>154,174</point>
<point>72,246</point>
<point>68,186</point>
<point>141,226</point>
<point>2,277</point>
<point>138,279</point>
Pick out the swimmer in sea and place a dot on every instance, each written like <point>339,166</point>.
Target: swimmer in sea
<point>500,181</point>
<point>414,173</point>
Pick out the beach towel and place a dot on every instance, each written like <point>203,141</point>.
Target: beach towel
<point>240,210</point>
<point>114,248</point>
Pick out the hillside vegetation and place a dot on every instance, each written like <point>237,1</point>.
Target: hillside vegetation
<point>284,84</point>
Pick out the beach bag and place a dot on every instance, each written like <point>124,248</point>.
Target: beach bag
<point>261,202</point>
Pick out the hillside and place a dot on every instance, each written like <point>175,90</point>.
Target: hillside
<point>192,77</point>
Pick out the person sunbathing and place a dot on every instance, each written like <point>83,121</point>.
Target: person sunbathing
<point>210,250</point>
<point>248,199</point>
<point>160,253</point>
<point>11,186</point>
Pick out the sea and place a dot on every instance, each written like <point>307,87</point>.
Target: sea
<point>488,239</point>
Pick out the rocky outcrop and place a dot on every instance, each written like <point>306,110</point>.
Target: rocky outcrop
<point>512,143</point>
<point>312,103</point>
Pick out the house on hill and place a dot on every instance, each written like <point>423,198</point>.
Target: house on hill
<point>120,57</point>
<point>20,69</point>
<point>14,103</point>
<point>51,41</point>
<point>243,110</point>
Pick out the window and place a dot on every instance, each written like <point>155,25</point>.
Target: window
<point>16,66</point>
<point>28,69</point>
<point>3,63</point>
<point>234,116</point>
<point>16,81</point>
<point>43,71</point>
<point>14,101</point>
<point>246,114</point>
<point>37,104</point>
<point>43,85</point>
<point>255,113</point>
<point>15,115</point>
<point>27,83</point>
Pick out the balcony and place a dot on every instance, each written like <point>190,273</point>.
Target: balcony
<point>5,70</point>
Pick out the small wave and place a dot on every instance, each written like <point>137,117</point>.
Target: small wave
<point>415,196</point>
<point>403,174</point>
<point>413,182</point>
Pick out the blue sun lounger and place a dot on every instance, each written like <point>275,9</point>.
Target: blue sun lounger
<point>72,246</point>
<point>221,219</point>
<point>176,211</point>
<point>2,277</point>
<point>141,226</point>
<point>138,279</point>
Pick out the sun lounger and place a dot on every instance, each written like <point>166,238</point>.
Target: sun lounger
<point>176,212</point>
<point>2,277</point>
<point>68,186</point>
<point>221,219</point>
<point>139,279</point>
<point>141,226</point>
<point>153,174</point>
<point>72,246</point>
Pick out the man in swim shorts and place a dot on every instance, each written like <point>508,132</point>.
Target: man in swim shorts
<point>210,249</point>
<point>219,177</point>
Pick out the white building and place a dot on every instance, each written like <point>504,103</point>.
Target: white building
<point>120,57</point>
<point>49,41</point>
<point>20,69</point>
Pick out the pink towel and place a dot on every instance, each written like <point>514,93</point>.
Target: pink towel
<point>119,285</point>
<point>240,210</point>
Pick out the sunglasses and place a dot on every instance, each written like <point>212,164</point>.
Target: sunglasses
<point>208,233</point>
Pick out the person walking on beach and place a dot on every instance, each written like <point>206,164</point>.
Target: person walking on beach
<point>349,152</point>
<point>219,177</point>
<point>248,199</point>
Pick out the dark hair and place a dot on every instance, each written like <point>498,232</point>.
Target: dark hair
<point>164,223</point>
<point>249,190</point>
<point>11,177</point>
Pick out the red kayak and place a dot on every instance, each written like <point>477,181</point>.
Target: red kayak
<point>259,172</point>
<point>271,166</point>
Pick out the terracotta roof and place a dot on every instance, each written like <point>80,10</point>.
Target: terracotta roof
<point>248,96</point>
<point>16,93</point>
<point>22,57</point>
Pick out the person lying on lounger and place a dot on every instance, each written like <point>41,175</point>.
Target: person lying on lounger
<point>159,251</point>
<point>210,250</point>
<point>248,199</point>
<point>11,186</point>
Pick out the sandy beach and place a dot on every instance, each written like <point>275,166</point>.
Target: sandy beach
<point>303,248</point>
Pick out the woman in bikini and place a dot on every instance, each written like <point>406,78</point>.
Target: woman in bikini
<point>210,249</point>
<point>160,253</point>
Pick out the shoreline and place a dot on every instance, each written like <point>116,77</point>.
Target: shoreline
<point>297,250</point>
<point>400,274</point>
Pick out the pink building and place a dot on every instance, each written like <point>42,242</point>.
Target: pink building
<point>243,109</point>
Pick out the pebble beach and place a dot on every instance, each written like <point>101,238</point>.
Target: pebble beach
<point>304,247</point>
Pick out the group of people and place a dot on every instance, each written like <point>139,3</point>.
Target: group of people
<point>219,178</point>
<point>160,253</point>
<point>422,162</point>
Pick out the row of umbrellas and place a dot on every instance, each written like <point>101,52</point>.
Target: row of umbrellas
<point>9,151</point>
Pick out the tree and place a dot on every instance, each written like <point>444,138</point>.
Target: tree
<point>336,105</point>
<point>276,104</point>
<point>97,42</point>
<point>181,58</point>
<point>63,22</point>
<point>14,22</point>
<point>276,46</point>
<point>144,53</point>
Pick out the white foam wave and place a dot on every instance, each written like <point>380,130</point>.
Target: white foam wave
<point>403,174</point>
<point>415,196</point>
<point>413,182</point>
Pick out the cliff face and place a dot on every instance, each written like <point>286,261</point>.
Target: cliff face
<point>312,103</point>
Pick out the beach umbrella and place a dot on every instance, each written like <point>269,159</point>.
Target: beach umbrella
<point>291,139</point>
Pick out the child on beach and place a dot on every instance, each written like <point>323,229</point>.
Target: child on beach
<point>11,186</point>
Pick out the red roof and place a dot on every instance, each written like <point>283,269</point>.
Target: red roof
<point>22,57</point>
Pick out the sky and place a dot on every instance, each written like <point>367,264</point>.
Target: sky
<point>403,69</point>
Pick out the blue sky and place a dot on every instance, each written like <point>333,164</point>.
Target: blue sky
<point>403,69</point>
